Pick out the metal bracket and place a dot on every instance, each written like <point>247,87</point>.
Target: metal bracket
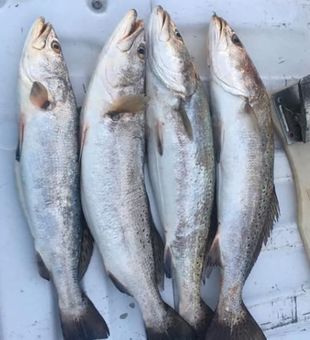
<point>292,106</point>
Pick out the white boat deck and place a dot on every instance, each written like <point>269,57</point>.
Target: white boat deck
<point>277,36</point>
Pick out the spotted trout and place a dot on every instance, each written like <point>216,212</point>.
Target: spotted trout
<point>180,162</point>
<point>246,198</point>
<point>113,189</point>
<point>48,177</point>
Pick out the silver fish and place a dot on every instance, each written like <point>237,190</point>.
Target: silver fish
<point>113,190</point>
<point>180,162</point>
<point>246,198</point>
<point>48,175</point>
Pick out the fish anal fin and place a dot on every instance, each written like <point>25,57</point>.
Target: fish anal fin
<point>20,138</point>
<point>158,248</point>
<point>43,271</point>
<point>118,284</point>
<point>127,104</point>
<point>39,95</point>
<point>213,257</point>
<point>87,246</point>
<point>159,137</point>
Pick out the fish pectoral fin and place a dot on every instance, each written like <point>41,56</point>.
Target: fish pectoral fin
<point>87,247</point>
<point>185,120</point>
<point>159,137</point>
<point>43,271</point>
<point>82,140</point>
<point>118,284</point>
<point>158,248</point>
<point>167,262</point>
<point>127,104</point>
<point>20,139</point>
<point>213,257</point>
<point>39,95</point>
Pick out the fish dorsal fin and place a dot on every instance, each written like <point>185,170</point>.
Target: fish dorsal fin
<point>271,217</point>
<point>127,104</point>
<point>87,246</point>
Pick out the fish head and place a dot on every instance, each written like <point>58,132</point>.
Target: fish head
<point>229,61</point>
<point>42,56</point>
<point>124,54</point>
<point>168,56</point>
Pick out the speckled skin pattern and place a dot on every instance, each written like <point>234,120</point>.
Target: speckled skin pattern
<point>113,190</point>
<point>180,161</point>
<point>247,204</point>
<point>49,167</point>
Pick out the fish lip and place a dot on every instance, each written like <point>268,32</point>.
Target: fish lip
<point>39,33</point>
<point>129,29</point>
<point>159,24</point>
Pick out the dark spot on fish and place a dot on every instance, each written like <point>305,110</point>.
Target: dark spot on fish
<point>123,316</point>
<point>84,88</point>
<point>132,305</point>
<point>16,5</point>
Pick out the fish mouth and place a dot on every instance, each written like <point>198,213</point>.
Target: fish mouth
<point>128,30</point>
<point>216,30</point>
<point>39,33</point>
<point>160,23</point>
<point>218,23</point>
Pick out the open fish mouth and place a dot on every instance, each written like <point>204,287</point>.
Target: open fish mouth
<point>128,31</point>
<point>39,33</point>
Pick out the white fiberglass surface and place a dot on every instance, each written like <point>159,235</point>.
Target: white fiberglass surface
<point>277,36</point>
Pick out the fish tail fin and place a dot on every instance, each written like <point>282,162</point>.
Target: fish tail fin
<point>243,328</point>
<point>88,324</point>
<point>175,328</point>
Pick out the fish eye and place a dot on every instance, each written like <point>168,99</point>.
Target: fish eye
<point>141,50</point>
<point>177,34</point>
<point>236,40</point>
<point>55,46</point>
